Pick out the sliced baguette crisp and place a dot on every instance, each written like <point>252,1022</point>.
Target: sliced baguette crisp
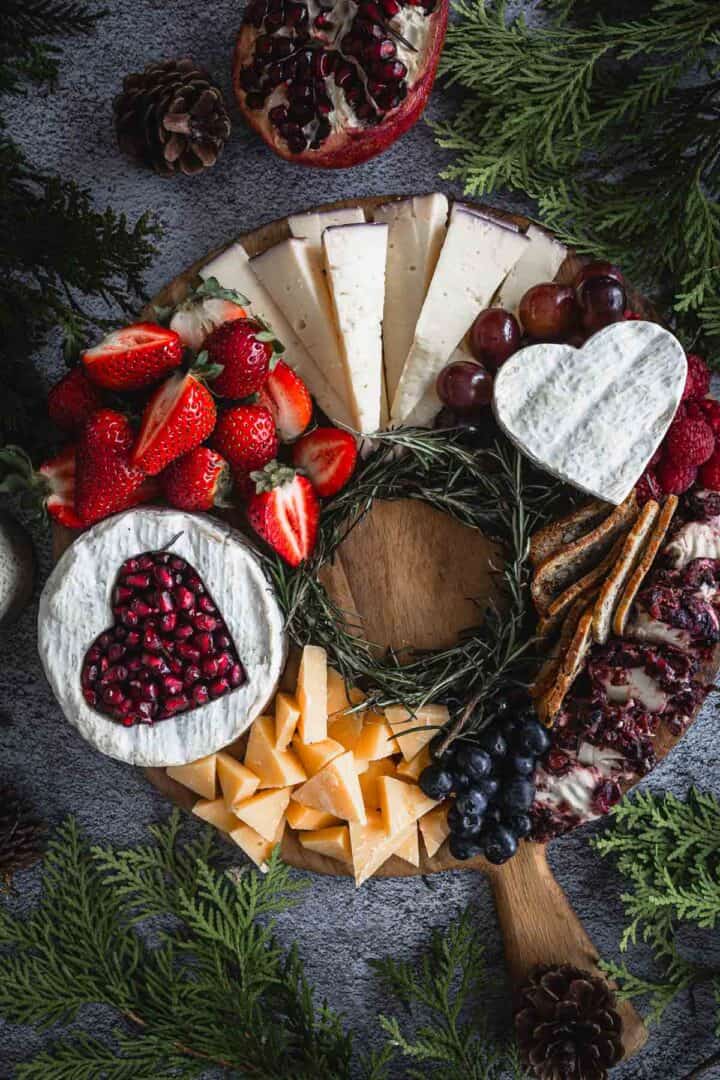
<point>548,673</point>
<point>583,588</point>
<point>614,583</point>
<point>655,541</point>
<point>572,661</point>
<point>555,574</point>
<point>566,530</point>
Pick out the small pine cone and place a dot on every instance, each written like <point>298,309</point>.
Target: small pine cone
<point>22,834</point>
<point>567,1026</point>
<point>172,118</point>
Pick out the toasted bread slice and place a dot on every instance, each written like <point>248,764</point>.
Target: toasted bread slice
<point>548,672</point>
<point>611,591</point>
<point>549,704</point>
<point>647,558</point>
<point>566,530</point>
<point>556,573</point>
<point>588,585</point>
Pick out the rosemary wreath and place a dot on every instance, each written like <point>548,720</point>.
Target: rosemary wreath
<point>492,489</point>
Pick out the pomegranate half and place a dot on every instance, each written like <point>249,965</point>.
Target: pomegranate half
<point>334,82</point>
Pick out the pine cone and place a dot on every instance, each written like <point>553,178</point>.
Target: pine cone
<point>22,834</point>
<point>567,1027</point>
<point>172,117</point>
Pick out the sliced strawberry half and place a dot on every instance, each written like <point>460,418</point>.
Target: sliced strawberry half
<point>178,417</point>
<point>285,512</point>
<point>288,399</point>
<point>328,457</point>
<point>133,357</point>
<point>49,490</point>
<point>194,320</point>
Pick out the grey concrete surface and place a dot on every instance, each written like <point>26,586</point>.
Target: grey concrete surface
<point>337,929</point>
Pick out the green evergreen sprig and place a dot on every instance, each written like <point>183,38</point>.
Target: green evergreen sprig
<point>596,119</point>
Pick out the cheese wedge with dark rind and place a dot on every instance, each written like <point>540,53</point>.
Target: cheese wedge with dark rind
<point>614,583</point>
<point>638,575</point>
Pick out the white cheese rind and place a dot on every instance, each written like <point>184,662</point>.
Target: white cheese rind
<point>540,262</point>
<point>75,608</point>
<point>593,416</point>
<point>311,226</point>
<point>476,256</point>
<point>417,228</point>
<point>355,258</point>
<point>232,270</point>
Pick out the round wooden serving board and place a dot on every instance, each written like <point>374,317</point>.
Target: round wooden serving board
<point>412,576</point>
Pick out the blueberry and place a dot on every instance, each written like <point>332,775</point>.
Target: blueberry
<point>489,787</point>
<point>499,844</point>
<point>435,781</point>
<point>520,825</point>
<point>464,847</point>
<point>462,824</point>
<point>520,764</point>
<point>532,738</point>
<point>491,739</point>
<point>474,761</point>
<point>472,803</point>
<point>518,795</point>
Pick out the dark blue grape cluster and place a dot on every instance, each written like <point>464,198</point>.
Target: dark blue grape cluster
<point>491,778</point>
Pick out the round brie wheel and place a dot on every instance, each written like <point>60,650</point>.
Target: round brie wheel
<point>75,609</point>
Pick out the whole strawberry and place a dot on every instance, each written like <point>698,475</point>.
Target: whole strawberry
<point>697,383</point>
<point>244,359</point>
<point>133,357</point>
<point>689,442</point>
<point>72,401</point>
<point>245,436</point>
<point>198,480</point>
<point>675,479</point>
<point>106,481</point>
<point>285,512</point>
<point>178,417</point>
<point>288,399</point>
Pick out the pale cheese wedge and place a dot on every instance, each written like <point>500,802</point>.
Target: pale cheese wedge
<point>369,781</point>
<point>477,255</point>
<point>255,846</point>
<point>304,817</point>
<point>355,258</point>
<point>232,270</point>
<point>237,782</point>
<point>312,225</point>
<point>401,803</point>
<point>333,842</point>
<point>409,850</point>
<point>276,768</point>
<point>376,739</point>
<point>294,279</point>
<point>315,756</point>
<point>371,845</point>
<point>417,230</point>
<point>216,813</point>
<point>415,730</point>
<point>539,263</point>
<point>335,788</point>
<point>410,770</point>
<point>311,694</point>
<point>287,714</point>
<point>265,811</point>
<point>199,776</point>
<point>434,828</point>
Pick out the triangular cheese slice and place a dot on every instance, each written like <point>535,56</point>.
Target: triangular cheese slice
<point>415,730</point>
<point>287,714</point>
<point>276,768</point>
<point>409,850</point>
<point>255,846</point>
<point>264,811</point>
<point>338,697</point>
<point>376,739</point>
<point>540,262</point>
<point>312,225</point>
<point>410,770</point>
<point>369,779</point>
<point>346,729</point>
<point>316,756</point>
<point>371,845</point>
<point>216,813</point>
<point>311,694</point>
<point>304,817</point>
<point>335,788</point>
<point>236,781</point>
<point>401,803</point>
<point>434,828</point>
<point>199,776</point>
<point>333,842</point>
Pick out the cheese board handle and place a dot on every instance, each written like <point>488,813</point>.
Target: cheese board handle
<point>540,927</point>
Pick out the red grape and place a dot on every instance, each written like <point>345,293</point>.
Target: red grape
<point>548,312</point>
<point>602,301</point>
<point>465,387</point>
<point>598,269</point>
<point>495,335</point>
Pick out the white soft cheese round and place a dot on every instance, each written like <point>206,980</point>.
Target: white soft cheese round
<point>75,608</point>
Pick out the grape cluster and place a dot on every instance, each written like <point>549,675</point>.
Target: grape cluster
<point>492,780</point>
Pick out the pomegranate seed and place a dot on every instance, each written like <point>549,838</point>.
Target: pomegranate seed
<point>200,694</point>
<point>192,674</point>
<point>93,654</point>
<point>163,577</point>
<point>323,22</point>
<point>205,622</point>
<point>134,664</point>
<point>381,50</point>
<point>146,710</point>
<point>237,675</point>
<point>184,599</point>
<point>184,632</point>
<point>390,7</point>
<point>176,563</point>
<point>296,15</point>
<point>194,584</point>
<point>128,617</point>
<point>168,622</point>
<point>123,708</point>
<point>209,667</point>
<point>115,652</point>
<point>175,704</point>
<point>141,609</point>
<point>121,594</point>
<point>205,604</point>
<point>369,10</point>
<point>204,643</point>
<point>146,562</point>
<point>224,663</point>
<point>104,664</point>
<point>117,673</point>
<point>278,115</point>
<point>352,46</point>
<point>129,566</point>
<point>138,581</point>
<point>90,696</point>
<point>392,71</point>
<point>222,641</point>
<point>112,695</point>
<point>104,642</point>
<point>165,602</point>
<point>176,666</point>
<point>218,688</point>
<point>136,689</point>
<point>172,685</point>
<point>89,675</point>
<point>152,660</point>
<point>150,691</point>
<point>152,641</point>
<point>188,652</point>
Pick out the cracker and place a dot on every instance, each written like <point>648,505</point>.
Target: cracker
<point>637,577</point>
<point>589,583</point>
<point>551,701</point>
<point>615,582</point>
<point>566,530</point>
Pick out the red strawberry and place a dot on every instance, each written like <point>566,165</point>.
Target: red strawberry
<point>106,480</point>
<point>133,357</point>
<point>285,511</point>
<point>177,418</point>
<point>697,383</point>
<point>245,436</point>
<point>198,480</point>
<point>244,360</point>
<point>195,319</point>
<point>50,489</point>
<point>288,399</point>
<point>675,479</point>
<point>707,409</point>
<point>689,442</point>
<point>327,456</point>
<point>648,488</point>
<point>709,476</point>
<point>73,400</point>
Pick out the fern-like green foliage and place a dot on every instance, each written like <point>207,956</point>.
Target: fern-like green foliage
<point>595,119</point>
<point>669,851</point>
<point>59,254</point>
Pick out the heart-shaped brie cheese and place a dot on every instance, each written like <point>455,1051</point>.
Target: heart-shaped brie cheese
<point>593,416</point>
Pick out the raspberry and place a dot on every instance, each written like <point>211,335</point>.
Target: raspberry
<point>710,473</point>
<point>708,409</point>
<point>657,457</point>
<point>689,442</point>
<point>632,316</point>
<point>648,487</point>
<point>698,378</point>
<point>675,479</point>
